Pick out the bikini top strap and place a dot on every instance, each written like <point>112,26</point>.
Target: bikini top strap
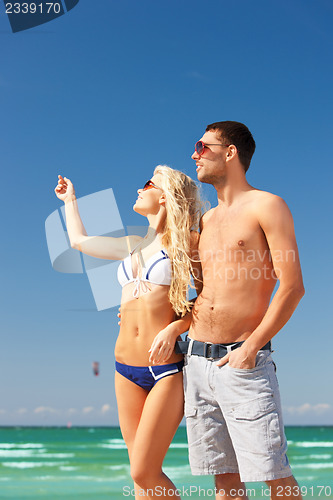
<point>140,261</point>
<point>128,245</point>
<point>136,246</point>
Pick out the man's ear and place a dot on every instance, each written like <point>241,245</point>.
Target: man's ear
<point>232,151</point>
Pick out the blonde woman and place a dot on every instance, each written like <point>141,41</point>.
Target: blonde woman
<point>155,274</point>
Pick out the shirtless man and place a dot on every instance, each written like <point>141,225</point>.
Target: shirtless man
<point>232,403</point>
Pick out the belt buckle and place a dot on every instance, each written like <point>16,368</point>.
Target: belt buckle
<point>208,350</point>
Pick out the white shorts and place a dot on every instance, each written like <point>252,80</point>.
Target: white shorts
<point>234,421</point>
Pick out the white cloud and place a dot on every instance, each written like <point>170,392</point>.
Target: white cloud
<point>308,408</point>
<point>2,412</point>
<point>45,409</point>
<point>105,408</point>
<point>21,411</point>
<point>71,411</point>
<point>88,409</point>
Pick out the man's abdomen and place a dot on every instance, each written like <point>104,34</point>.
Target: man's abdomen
<point>228,315</point>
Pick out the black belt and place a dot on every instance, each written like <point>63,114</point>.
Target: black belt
<point>208,350</point>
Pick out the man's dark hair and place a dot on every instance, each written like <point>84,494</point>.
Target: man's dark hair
<point>238,134</point>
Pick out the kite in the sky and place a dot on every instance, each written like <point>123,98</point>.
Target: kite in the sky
<point>95,367</point>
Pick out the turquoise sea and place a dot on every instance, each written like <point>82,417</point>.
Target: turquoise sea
<point>92,464</point>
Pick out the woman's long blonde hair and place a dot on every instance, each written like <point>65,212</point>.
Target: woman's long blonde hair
<point>184,209</point>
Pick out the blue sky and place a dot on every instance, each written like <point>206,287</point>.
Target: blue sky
<point>102,95</point>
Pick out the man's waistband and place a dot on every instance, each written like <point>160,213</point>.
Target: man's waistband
<point>207,350</point>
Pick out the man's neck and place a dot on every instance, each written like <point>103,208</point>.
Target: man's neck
<point>231,190</point>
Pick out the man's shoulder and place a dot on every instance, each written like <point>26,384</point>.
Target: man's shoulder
<point>206,216</point>
<point>265,199</point>
<point>270,209</point>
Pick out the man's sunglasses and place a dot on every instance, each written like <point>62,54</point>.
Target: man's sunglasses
<point>200,147</point>
<point>149,185</point>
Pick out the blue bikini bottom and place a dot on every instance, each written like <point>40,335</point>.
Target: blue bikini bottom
<point>147,376</point>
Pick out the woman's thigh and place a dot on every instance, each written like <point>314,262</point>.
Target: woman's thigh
<point>130,400</point>
<point>161,415</point>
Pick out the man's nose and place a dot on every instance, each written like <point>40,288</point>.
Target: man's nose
<point>195,156</point>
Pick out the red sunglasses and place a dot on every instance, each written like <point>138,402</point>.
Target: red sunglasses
<point>149,185</point>
<point>200,147</point>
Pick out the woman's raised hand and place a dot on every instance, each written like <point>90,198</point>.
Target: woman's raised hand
<point>65,189</point>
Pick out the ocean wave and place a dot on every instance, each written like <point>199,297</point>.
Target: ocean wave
<point>40,453</point>
<point>178,472</point>
<point>32,465</point>
<point>93,479</point>
<point>116,446</point>
<point>178,445</point>
<point>9,446</point>
<point>68,468</point>
<point>55,455</point>
<point>123,467</point>
<point>114,441</point>
<point>21,453</point>
<point>312,444</point>
<point>113,444</point>
<point>302,478</point>
<point>320,465</point>
<point>316,457</point>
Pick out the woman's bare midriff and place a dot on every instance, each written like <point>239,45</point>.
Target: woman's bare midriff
<point>142,319</point>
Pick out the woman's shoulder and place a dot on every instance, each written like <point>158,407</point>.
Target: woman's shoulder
<point>133,242</point>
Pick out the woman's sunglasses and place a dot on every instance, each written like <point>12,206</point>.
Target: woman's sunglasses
<point>149,185</point>
<point>200,147</point>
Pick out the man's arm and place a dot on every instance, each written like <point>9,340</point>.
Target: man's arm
<point>277,224</point>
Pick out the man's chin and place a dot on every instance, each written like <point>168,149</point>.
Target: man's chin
<point>203,178</point>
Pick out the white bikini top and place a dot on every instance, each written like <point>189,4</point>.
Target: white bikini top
<point>157,270</point>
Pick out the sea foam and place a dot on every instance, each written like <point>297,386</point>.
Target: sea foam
<point>32,465</point>
<point>313,444</point>
<point>9,446</point>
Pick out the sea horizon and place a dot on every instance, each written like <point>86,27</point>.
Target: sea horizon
<point>53,462</point>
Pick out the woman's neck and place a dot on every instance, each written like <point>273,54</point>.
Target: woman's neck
<point>157,222</point>
<point>152,237</point>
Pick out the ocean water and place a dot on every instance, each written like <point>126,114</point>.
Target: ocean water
<point>92,464</point>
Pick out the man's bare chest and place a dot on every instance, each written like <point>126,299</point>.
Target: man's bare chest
<point>232,237</point>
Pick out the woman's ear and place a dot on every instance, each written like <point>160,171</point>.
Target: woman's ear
<point>162,199</point>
